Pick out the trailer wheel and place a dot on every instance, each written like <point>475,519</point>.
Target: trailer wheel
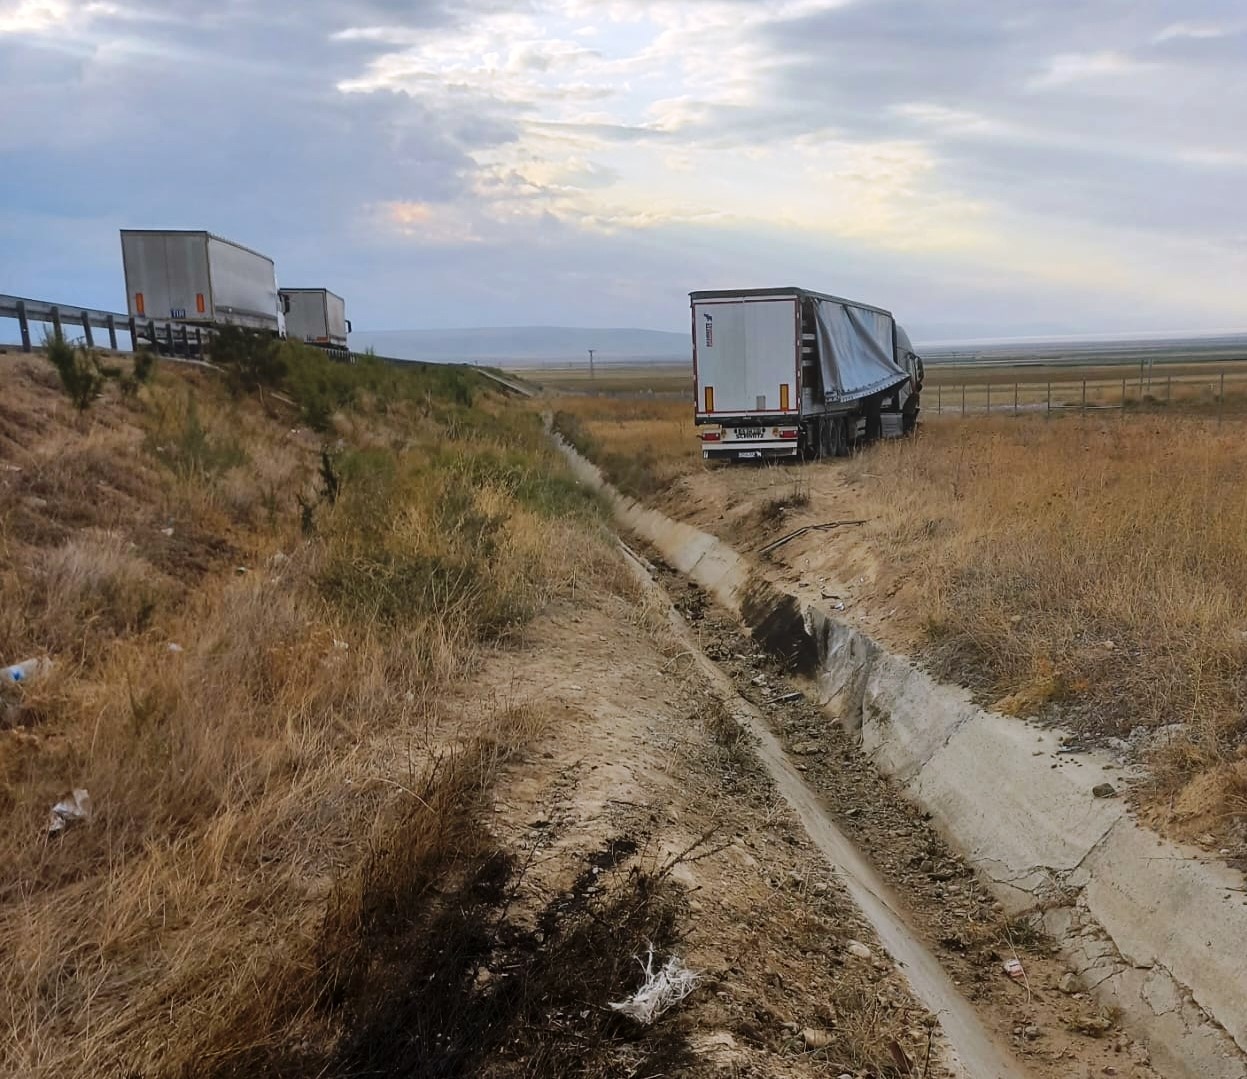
<point>840,436</point>
<point>909,415</point>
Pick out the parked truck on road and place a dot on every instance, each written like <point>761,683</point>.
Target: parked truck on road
<point>788,372</point>
<point>316,316</point>
<point>196,278</point>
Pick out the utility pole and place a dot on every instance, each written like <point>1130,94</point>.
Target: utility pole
<point>591,352</point>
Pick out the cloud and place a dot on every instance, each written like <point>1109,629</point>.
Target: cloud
<point>992,157</point>
<point>1194,31</point>
<point>1074,67</point>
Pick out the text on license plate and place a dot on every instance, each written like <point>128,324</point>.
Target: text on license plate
<point>749,432</point>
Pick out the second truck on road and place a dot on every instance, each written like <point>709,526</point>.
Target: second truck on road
<point>787,372</point>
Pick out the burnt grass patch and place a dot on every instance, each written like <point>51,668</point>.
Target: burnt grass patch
<point>428,968</point>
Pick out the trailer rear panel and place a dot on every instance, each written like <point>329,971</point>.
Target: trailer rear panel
<point>745,357</point>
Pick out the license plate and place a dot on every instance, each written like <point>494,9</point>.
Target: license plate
<point>749,453</point>
<point>749,432</point>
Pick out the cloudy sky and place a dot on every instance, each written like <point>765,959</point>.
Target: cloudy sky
<point>982,167</point>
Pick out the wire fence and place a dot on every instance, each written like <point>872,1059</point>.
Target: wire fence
<point>1221,393</point>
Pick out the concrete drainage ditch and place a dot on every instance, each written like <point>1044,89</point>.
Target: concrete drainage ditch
<point>1154,931</point>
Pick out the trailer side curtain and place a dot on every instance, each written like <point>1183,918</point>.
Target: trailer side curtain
<point>855,350</point>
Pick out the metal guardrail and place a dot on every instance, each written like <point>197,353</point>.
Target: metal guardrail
<point>176,337</point>
<point>172,338</point>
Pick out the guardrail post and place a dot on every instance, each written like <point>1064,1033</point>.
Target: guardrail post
<point>23,325</point>
<point>169,337</point>
<point>56,323</point>
<point>199,342</point>
<point>186,341</point>
<point>134,334</point>
<point>86,330</point>
<point>112,333</point>
<point>151,334</point>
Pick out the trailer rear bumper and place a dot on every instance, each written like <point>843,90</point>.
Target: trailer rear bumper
<point>747,451</point>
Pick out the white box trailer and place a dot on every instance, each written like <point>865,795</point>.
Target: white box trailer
<point>315,315</point>
<point>191,276</point>
<point>788,372</point>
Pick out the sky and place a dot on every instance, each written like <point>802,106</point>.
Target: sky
<point>980,167</point>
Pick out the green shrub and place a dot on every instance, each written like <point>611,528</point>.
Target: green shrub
<point>80,371</point>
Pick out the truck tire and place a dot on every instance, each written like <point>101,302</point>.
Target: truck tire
<point>909,415</point>
<point>840,436</point>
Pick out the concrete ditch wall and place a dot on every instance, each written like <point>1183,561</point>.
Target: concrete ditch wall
<point>1151,929</point>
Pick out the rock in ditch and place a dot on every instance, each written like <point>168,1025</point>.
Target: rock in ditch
<point>1104,790</point>
<point>859,950</point>
<point>807,749</point>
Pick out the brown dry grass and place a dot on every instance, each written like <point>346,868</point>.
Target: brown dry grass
<point>237,780</point>
<point>1094,563</point>
<point>641,445</point>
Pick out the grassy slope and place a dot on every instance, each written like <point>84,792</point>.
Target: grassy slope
<point>1097,565</point>
<point>317,604</point>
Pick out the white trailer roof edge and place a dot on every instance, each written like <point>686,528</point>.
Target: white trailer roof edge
<point>197,232</point>
<point>780,293</point>
<point>326,291</point>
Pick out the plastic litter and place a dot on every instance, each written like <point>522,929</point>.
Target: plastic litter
<point>1013,968</point>
<point>663,989</point>
<point>77,807</point>
<point>26,670</point>
<point>173,646</point>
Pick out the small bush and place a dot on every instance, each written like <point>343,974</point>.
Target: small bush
<point>252,360</point>
<point>79,369</point>
<point>182,442</point>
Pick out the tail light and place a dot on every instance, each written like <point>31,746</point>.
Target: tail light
<point>789,433</point>
<point>711,436</point>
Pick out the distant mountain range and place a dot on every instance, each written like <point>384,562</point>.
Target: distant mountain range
<point>527,346</point>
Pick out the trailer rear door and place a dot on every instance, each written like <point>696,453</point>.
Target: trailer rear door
<point>745,356</point>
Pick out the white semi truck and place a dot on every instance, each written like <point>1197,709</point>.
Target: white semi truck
<point>316,316</point>
<point>193,277</point>
<point>787,372</point>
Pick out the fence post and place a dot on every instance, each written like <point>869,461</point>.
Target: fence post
<point>1123,396</point>
<point>56,323</point>
<point>939,399</point>
<point>1015,398</point>
<point>112,333</point>
<point>989,398</point>
<point>1049,412</point>
<point>1084,396</point>
<point>86,330</point>
<point>1221,398</point>
<point>963,400</point>
<point>1168,388</point>
<point>23,324</point>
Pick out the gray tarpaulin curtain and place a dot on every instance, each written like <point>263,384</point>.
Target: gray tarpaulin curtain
<point>855,349</point>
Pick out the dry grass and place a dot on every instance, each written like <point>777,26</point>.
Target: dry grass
<point>238,778</point>
<point>1098,565</point>
<point>1093,564</point>
<point>641,445</point>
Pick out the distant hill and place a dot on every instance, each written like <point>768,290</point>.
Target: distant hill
<point>526,346</point>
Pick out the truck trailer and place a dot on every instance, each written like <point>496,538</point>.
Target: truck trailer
<point>316,316</point>
<point>194,277</point>
<point>787,372</point>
